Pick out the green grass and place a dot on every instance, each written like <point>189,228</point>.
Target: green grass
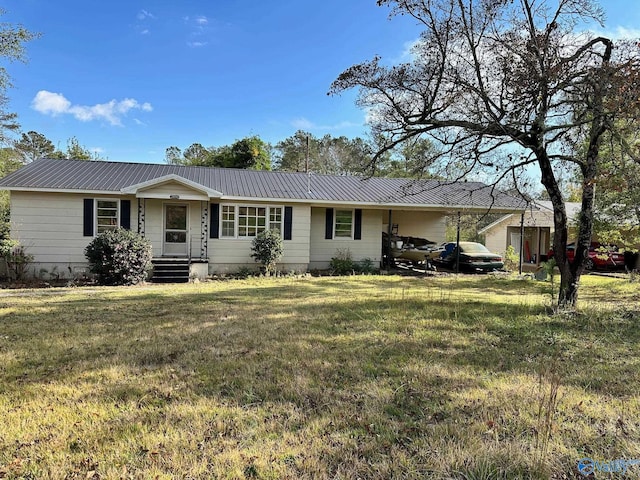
<point>361,377</point>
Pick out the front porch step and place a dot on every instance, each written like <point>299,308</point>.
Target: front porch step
<point>170,270</point>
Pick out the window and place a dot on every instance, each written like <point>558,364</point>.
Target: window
<point>344,224</point>
<point>106,215</point>
<point>228,221</point>
<point>275,218</point>
<point>251,221</point>
<point>248,221</point>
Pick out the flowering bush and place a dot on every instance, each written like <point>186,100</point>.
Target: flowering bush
<point>119,257</point>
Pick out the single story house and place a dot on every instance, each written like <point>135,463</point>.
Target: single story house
<point>209,216</point>
<point>537,221</point>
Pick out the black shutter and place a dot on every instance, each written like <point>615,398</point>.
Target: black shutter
<point>328,225</point>
<point>125,214</point>
<point>357,228</point>
<point>288,222</point>
<point>214,223</point>
<point>88,217</point>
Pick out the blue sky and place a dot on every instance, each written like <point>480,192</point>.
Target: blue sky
<point>130,78</point>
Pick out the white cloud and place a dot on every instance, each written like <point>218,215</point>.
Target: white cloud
<point>305,124</point>
<point>408,52</point>
<point>199,30</point>
<point>201,20</point>
<point>623,33</point>
<point>144,14</point>
<point>302,124</point>
<point>54,104</point>
<point>50,103</point>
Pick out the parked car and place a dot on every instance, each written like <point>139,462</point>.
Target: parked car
<point>474,257</point>
<point>601,257</point>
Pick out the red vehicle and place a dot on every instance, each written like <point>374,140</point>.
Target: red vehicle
<point>601,257</point>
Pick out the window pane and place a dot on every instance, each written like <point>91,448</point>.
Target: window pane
<point>108,204</point>
<point>228,221</point>
<point>106,215</point>
<point>175,237</point>
<point>344,223</point>
<point>176,217</point>
<point>228,213</point>
<point>227,229</point>
<point>275,214</point>
<point>275,219</point>
<point>251,221</point>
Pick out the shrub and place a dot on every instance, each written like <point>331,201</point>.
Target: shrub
<point>119,257</point>
<point>267,248</point>
<point>511,259</point>
<point>18,260</point>
<point>244,272</point>
<point>342,263</point>
<point>366,266</point>
<point>549,269</point>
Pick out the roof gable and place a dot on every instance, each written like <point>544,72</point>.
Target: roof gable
<point>171,186</point>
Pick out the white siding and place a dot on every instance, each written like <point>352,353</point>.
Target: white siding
<point>429,225</point>
<point>496,238</point>
<point>50,227</point>
<point>323,250</point>
<point>166,190</point>
<point>229,254</point>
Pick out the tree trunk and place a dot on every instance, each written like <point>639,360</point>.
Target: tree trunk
<point>569,278</point>
<point>569,284</point>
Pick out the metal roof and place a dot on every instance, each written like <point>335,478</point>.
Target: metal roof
<point>113,177</point>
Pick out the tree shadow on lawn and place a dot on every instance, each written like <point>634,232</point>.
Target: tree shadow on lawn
<point>378,371</point>
<point>236,329</point>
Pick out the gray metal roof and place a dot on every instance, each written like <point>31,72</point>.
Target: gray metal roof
<point>113,177</point>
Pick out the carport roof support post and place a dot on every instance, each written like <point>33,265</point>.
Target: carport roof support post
<point>458,245</point>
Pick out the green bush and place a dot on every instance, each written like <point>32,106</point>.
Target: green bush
<point>119,257</point>
<point>17,259</point>
<point>267,249</point>
<point>244,272</point>
<point>511,259</point>
<point>342,263</point>
<point>366,266</point>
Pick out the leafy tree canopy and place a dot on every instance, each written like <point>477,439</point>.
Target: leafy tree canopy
<point>344,156</point>
<point>33,145</point>
<point>251,153</point>
<point>12,40</point>
<point>617,198</point>
<point>326,155</point>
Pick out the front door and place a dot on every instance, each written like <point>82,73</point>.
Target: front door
<point>175,230</point>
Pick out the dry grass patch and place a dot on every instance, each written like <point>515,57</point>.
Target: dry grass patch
<point>367,377</point>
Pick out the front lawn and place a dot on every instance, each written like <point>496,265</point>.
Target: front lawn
<point>318,378</point>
